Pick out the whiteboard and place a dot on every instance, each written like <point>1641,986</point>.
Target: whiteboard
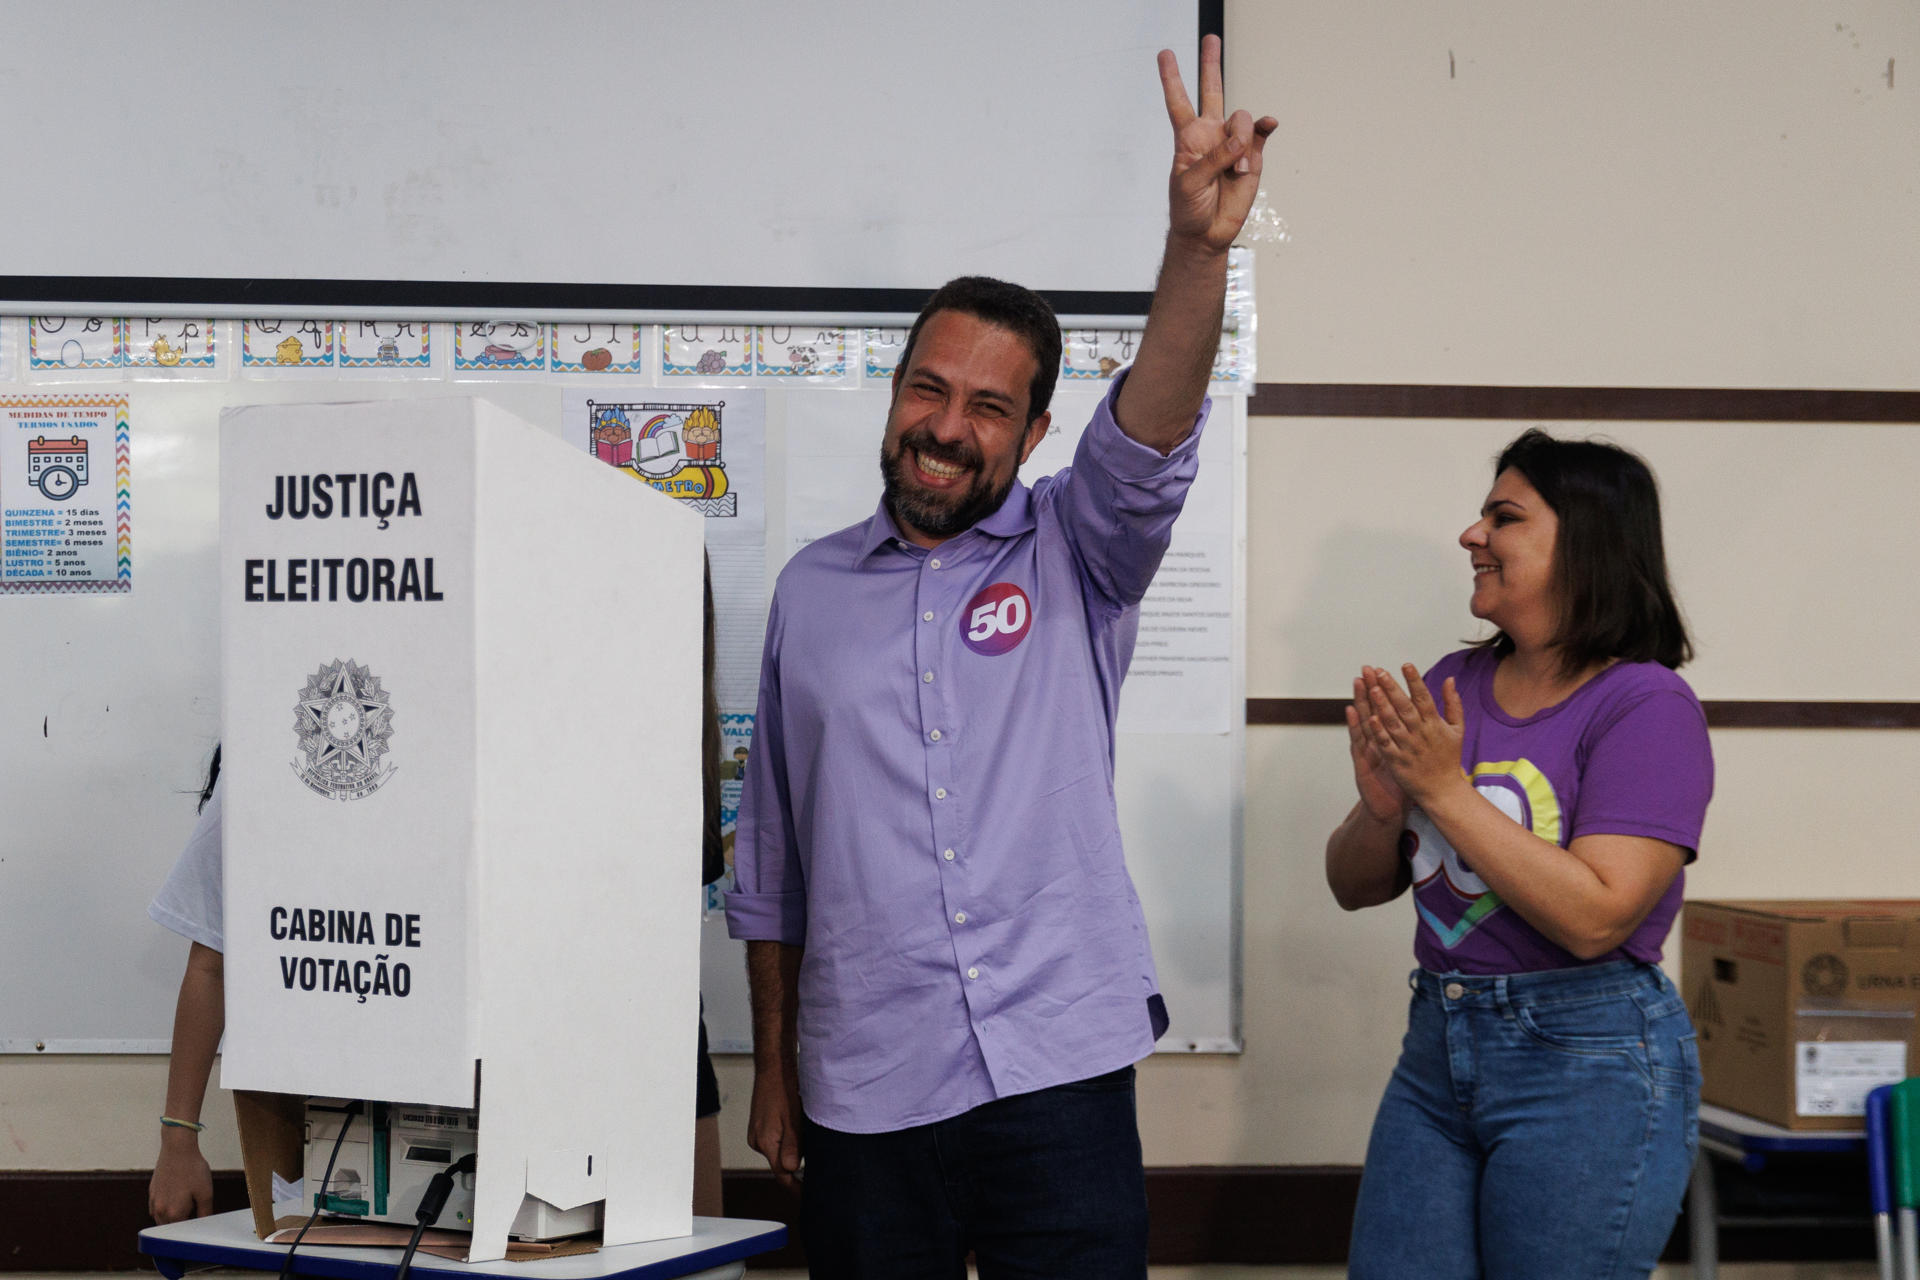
<point>656,160</point>
<point>111,707</point>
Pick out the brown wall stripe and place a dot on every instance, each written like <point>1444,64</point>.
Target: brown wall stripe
<point>1285,1215</point>
<point>1720,715</point>
<point>1644,404</point>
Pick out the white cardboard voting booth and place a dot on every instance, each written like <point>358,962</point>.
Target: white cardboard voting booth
<point>461,723</point>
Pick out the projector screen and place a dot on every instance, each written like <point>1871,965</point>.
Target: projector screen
<point>651,160</point>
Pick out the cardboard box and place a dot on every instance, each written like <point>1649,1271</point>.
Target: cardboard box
<point>1802,1005</point>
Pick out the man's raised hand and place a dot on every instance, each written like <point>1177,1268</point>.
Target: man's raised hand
<point>1216,157</point>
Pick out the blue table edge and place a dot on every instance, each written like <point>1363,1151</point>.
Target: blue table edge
<point>1794,1143</point>
<point>163,1251</point>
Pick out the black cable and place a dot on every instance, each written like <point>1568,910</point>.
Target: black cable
<point>351,1110</point>
<point>432,1201</point>
<point>406,1259</point>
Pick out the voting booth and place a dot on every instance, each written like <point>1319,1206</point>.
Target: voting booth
<point>462,698</point>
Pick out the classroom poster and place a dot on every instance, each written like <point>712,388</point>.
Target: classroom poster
<point>706,351</point>
<point>806,352</point>
<point>384,344</point>
<point>883,348</point>
<point>1181,678</point>
<point>499,346</point>
<point>74,342</point>
<point>1096,354</point>
<point>286,344</point>
<point>707,450</point>
<point>169,344</point>
<point>592,347</point>
<point>65,488</point>
<point>736,739</point>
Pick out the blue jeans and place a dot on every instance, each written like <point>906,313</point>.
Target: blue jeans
<point>1539,1126</point>
<point>1040,1186</point>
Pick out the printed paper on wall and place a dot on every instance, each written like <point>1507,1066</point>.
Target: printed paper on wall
<point>499,346</point>
<point>799,351</point>
<point>1096,354</point>
<point>73,342</point>
<point>736,741</point>
<point>169,344</point>
<point>579,347</point>
<point>286,344</point>
<point>65,486</point>
<point>708,451</point>
<point>385,344</point>
<point>706,350</point>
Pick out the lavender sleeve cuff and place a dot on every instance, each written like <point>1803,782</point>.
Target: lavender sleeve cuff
<point>1127,459</point>
<point>767,917</point>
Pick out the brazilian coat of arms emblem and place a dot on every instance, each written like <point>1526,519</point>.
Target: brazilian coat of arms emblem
<point>343,718</point>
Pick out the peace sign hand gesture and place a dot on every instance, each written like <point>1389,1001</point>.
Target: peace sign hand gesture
<point>1216,157</point>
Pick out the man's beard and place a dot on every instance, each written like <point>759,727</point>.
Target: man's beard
<point>938,514</point>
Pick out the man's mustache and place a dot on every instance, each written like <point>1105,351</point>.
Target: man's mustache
<point>953,452</point>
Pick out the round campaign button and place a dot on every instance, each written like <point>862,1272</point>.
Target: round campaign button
<point>996,619</point>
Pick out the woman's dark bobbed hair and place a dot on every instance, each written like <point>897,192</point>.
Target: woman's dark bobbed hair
<point>1610,563</point>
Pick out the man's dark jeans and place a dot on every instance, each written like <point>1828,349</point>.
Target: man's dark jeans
<point>1040,1186</point>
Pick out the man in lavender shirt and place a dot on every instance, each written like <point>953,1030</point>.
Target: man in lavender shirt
<point>950,971</point>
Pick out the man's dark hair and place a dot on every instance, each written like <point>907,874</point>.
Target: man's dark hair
<point>1609,561</point>
<point>1012,307</point>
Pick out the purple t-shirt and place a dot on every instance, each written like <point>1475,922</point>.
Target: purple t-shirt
<point>1625,754</point>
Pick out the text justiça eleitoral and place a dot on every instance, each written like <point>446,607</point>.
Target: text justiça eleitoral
<point>374,495</point>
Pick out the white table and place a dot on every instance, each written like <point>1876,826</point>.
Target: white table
<point>714,1251</point>
<point>1750,1142</point>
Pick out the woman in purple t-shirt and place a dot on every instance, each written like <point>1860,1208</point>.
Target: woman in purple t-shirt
<point>1540,793</point>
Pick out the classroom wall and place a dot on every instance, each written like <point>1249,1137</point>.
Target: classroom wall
<point>1717,195</point>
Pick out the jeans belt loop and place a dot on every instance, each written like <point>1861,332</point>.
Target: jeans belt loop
<point>1501,997</point>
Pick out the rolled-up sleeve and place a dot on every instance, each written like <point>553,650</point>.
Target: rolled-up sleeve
<point>768,902</point>
<point>1119,500</point>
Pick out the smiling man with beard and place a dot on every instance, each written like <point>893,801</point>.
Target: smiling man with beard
<point>949,966</point>
<point>945,472</point>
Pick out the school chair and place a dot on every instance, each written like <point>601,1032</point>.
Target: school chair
<point>1893,1170</point>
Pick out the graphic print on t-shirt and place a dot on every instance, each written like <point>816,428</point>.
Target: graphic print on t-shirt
<point>1451,899</point>
<point>996,619</point>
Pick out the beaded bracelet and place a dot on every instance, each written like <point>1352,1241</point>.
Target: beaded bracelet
<point>169,1122</point>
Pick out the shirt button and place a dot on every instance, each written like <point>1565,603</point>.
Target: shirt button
<point>933,564</point>
<point>927,616</point>
<point>940,793</point>
<point>926,677</point>
<point>1455,991</point>
<point>947,854</point>
<point>973,973</point>
<point>959,917</point>
<point>935,735</point>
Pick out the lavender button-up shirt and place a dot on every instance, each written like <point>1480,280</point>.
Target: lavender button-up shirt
<point>929,798</point>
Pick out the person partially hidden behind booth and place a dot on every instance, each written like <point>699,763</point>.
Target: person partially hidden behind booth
<point>1540,792</point>
<point>948,963</point>
<point>190,904</point>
